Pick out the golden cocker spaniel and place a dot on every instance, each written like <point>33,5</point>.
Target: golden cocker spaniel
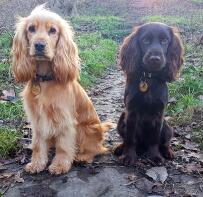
<point>45,56</point>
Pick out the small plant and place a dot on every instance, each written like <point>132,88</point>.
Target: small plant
<point>5,44</point>
<point>9,141</point>
<point>11,111</point>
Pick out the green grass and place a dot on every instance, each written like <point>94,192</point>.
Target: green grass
<point>197,1</point>
<point>9,141</point>
<point>11,111</point>
<point>189,24</point>
<point>166,19</point>
<point>5,79</point>
<point>188,88</point>
<point>96,54</point>
<point>5,44</point>
<point>109,26</point>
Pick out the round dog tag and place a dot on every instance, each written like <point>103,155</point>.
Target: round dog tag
<point>143,86</point>
<point>36,89</point>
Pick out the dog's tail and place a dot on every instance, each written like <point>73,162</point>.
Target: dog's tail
<point>101,127</point>
<point>105,126</point>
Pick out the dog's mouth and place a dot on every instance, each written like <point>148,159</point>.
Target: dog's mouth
<point>41,57</point>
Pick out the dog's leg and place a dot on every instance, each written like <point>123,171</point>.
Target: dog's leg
<point>129,156</point>
<point>39,154</point>
<point>153,153</point>
<point>166,135</point>
<point>121,129</point>
<point>65,151</point>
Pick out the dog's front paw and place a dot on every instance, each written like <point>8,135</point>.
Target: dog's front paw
<point>35,167</point>
<point>60,167</point>
<point>167,152</point>
<point>129,157</point>
<point>155,156</point>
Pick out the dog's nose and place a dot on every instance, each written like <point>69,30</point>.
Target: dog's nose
<point>155,59</point>
<point>40,46</point>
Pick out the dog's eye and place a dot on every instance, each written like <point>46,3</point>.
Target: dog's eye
<point>52,30</point>
<point>146,41</point>
<point>164,41</point>
<point>31,29</point>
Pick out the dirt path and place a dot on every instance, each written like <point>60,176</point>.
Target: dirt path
<point>106,177</point>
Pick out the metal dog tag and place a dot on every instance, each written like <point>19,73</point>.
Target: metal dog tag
<point>143,86</point>
<point>36,89</point>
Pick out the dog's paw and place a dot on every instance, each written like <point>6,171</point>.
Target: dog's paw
<point>35,167</point>
<point>59,167</point>
<point>129,157</point>
<point>167,153</point>
<point>156,157</point>
<point>128,160</point>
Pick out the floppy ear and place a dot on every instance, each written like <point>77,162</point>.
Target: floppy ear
<point>66,61</point>
<point>22,66</point>
<point>174,56</point>
<point>130,53</point>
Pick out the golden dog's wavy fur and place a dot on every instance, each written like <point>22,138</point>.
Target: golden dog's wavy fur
<point>61,114</point>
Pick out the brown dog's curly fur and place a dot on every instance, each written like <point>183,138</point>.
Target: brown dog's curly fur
<point>60,112</point>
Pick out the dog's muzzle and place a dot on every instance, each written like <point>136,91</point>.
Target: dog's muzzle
<point>154,61</point>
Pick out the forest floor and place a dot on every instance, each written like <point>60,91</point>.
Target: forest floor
<point>104,24</point>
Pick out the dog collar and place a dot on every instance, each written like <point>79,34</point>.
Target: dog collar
<point>35,87</point>
<point>42,78</point>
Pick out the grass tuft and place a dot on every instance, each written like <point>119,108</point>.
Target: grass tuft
<point>5,44</point>
<point>9,141</point>
<point>11,111</point>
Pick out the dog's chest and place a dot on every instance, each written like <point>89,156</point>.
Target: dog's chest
<point>48,113</point>
<point>155,98</point>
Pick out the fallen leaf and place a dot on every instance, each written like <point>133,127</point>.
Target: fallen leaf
<point>6,175</point>
<point>168,118</point>
<point>200,97</point>
<point>188,136</point>
<point>131,177</point>
<point>1,122</point>
<point>172,100</point>
<point>190,146</point>
<point>193,167</point>
<point>157,174</point>
<point>8,95</point>
<point>18,179</point>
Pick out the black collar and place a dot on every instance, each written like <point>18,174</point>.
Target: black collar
<point>42,78</point>
<point>151,75</point>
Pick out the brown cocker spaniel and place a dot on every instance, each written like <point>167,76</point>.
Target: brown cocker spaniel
<point>150,56</point>
<point>61,114</point>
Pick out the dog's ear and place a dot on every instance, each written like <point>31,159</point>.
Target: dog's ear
<point>22,66</point>
<point>130,52</point>
<point>66,60</point>
<point>174,56</point>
